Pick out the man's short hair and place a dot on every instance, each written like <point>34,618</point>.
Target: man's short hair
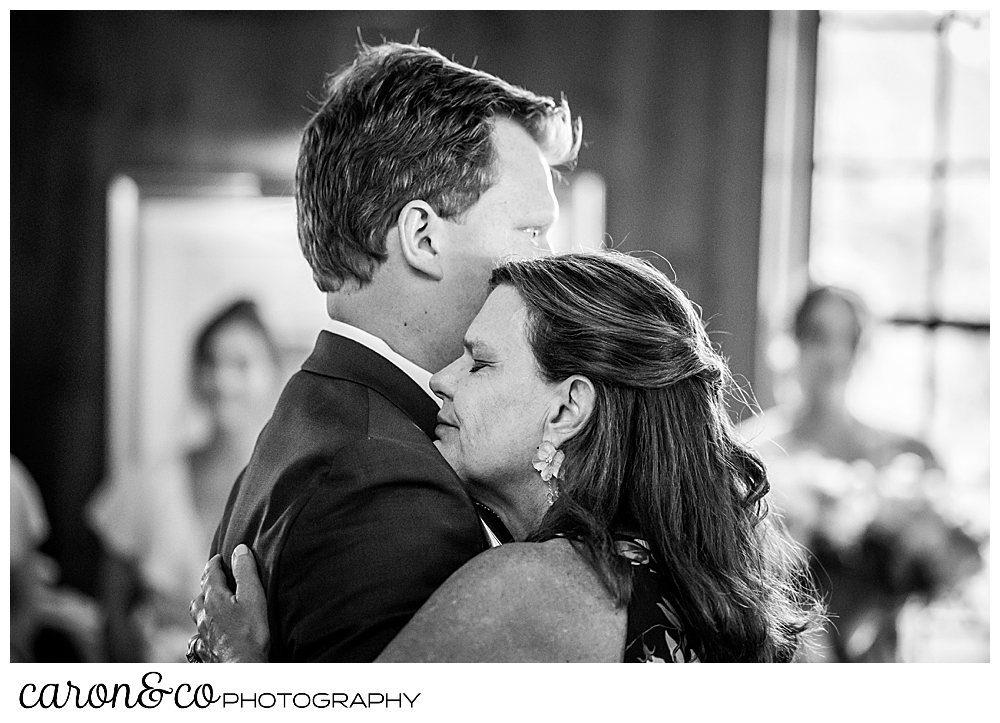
<point>402,123</point>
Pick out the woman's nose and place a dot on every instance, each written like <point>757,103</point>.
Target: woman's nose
<point>442,383</point>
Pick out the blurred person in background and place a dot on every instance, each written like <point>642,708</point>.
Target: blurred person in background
<point>156,523</point>
<point>830,326</point>
<point>48,623</point>
<point>868,503</point>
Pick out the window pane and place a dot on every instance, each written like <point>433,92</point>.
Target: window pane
<point>871,235</point>
<point>965,282</point>
<point>875,94</point>
<point>961,424</point>
<point>889,385</point>
<point>969,120</point>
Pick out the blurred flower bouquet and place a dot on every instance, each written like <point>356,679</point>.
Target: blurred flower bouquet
<point>896,525</point>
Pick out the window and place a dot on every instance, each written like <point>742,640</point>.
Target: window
<point>877,179</point>
<point>900,214</point>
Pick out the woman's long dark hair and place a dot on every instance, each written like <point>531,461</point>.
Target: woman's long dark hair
<point>659,456</point>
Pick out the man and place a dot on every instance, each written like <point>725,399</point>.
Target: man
<point>414,177</point>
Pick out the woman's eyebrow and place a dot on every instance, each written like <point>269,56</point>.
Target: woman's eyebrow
<point>476,346</point>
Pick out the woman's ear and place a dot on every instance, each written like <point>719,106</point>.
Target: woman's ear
<point>419,229</point>
<point>571,409</point>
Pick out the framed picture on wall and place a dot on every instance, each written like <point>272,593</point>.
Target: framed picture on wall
<point>180,248</point>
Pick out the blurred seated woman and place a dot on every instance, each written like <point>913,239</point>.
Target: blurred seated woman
<point>156,523</point>
<point>49,622</point>
<point>860,498</point>
<point>830,327</point>
<point>589,411</point>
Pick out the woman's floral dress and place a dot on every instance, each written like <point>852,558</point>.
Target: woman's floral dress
<point>655,633</point>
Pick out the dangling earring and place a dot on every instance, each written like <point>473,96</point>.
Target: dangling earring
<point>547,462</point>
<point>553,492</point>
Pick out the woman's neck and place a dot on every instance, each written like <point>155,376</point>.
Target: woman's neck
<point>824,407</point>
<point>823,422</point>
<point>520,506</point>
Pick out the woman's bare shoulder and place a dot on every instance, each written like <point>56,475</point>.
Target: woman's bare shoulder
<point>514,557</point>
<point>521,602</point>
<point>552,571</point>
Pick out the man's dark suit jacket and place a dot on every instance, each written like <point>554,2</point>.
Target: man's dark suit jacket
<point>353,515</point>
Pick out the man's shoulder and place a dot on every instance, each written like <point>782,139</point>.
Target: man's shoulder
<point>324,432</point>
<point>335,414</point>
<point>330,447</point>
<point>355,407</point>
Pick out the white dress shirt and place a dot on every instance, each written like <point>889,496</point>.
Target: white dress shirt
<point>418,374</point>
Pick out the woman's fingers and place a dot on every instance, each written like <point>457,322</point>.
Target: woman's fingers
<point>214,598</point>
<point>232,627</point>
<point>213,579</point>
<point>249,589</point>
<point>197,604</point>
<point>203,652</point>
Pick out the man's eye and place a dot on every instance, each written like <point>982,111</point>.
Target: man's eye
<point>476,366</point>
<point>533,232</point>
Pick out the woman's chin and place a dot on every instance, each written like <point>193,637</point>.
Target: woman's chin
<point>443,448</point>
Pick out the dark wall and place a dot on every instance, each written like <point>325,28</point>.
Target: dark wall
<point>673,106</point>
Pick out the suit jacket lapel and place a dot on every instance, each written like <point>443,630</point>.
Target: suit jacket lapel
<point>341,358</point>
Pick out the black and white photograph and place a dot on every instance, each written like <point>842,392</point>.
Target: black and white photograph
<point>496,336</point>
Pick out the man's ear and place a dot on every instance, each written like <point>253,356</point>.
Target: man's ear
<point>419,229</point>
<point>571,409</point>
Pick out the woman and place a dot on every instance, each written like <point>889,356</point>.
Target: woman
<point>830,326</point>
<point>588,411</point>
<point>156,522</point>
<point>857,496</point>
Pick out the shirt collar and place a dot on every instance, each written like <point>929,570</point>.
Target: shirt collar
<point>418,374</point>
